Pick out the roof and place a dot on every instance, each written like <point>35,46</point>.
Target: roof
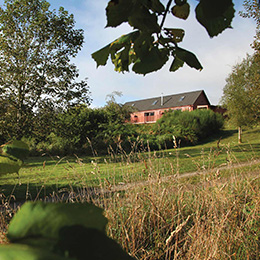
<point>176,100</point>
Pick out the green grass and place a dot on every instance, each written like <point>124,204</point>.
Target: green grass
<point>42,176</point>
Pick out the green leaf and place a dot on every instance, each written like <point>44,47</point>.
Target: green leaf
<point>181,11</point>
<point>143,20</point>
<point>23,252</point>
<point>45,221</point>
<point>157,6</point>
<point>71,230</point>
<point>124,40</point>
<point>175,34</point>
<point>143,44</point>
<point>215,16</point>
<point>188,57</point>
<point>87,243</point>
<point>9,164</point>
<point>176,64</point>
<point>101,56</point>
<point>118,11</point>
<point>17,149</point>
<point>154,60</point>
<point>121,60</point>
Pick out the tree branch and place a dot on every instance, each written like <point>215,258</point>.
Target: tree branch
<point>165,13</point>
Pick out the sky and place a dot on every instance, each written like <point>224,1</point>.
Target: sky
<point>217,55</point>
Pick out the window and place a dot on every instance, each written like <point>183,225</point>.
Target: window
<point>181,99</point>
<point>149,117</point>
<point>149,114</point>
<point>155,102</point>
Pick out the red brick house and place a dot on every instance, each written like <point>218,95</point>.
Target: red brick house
<point>150,110</point>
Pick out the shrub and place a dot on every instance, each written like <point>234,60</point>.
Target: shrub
<point>190,127</point>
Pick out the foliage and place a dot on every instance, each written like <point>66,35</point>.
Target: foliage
<point>60,231</point>
<point>188,126</point>
<point>241,94</point>
<point>151,44</point>
<point>36,47</point>
<point>252,10</point>
<point>78,128</point>
<point>79,124</point>
<point>115,128</point>
<point>12,155</point>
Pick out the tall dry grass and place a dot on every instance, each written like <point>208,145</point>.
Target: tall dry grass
<point>213,215</point>
<point>212,219</point>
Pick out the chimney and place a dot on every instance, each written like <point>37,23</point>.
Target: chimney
<point>162,99</point>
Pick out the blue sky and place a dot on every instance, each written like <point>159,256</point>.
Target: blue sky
<point>217,55</point>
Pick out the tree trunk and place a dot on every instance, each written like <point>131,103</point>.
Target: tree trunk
<point>239,135</point>
<point>19,124</point>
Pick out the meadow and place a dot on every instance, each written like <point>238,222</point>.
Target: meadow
<point>155,210</point>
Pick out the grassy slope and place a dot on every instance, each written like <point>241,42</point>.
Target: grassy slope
<point>47,174</point>
<point>211,217</point>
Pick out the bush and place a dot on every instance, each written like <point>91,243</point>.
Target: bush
<point>189,127</point>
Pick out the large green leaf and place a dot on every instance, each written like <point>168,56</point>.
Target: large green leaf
<point>154,60</point>
<point>101,56</point>
<point>143,20</point>
<point>143,44</point>
<point>124,40</point>
<point>9,164</point>
<point>16,148</point>
<point>86,243</point>
<point>23,252</point>
<point>117,12</point>
<point>72,230</point>
<point>214,15</point>
<point>176,64</point>
<point>188,57</point>
<point>45,221</point>
<point>121,60</point>
<point>157,6</point>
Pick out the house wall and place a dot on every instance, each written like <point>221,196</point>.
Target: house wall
<point>151,116</point>
<point>201,102</point>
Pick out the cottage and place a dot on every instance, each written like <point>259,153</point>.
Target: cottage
<point>150,110</point>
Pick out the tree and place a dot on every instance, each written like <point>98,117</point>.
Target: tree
<point>151,44</point>
<point>115,128</point>
<point>36,46</point>
<point>241,94</point>
<point>252,10</point>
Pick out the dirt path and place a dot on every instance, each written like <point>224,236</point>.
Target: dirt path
<point>127,186</point>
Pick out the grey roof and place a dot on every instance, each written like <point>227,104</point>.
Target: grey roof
<point>176,100</point>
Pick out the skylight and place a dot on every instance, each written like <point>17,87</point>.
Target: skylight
<point>133,104</point>
<point>181,98</point>
<point>155,102</point>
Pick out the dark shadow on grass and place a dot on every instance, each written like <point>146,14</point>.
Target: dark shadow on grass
<point>49,193</point>
<point>222,134</point>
